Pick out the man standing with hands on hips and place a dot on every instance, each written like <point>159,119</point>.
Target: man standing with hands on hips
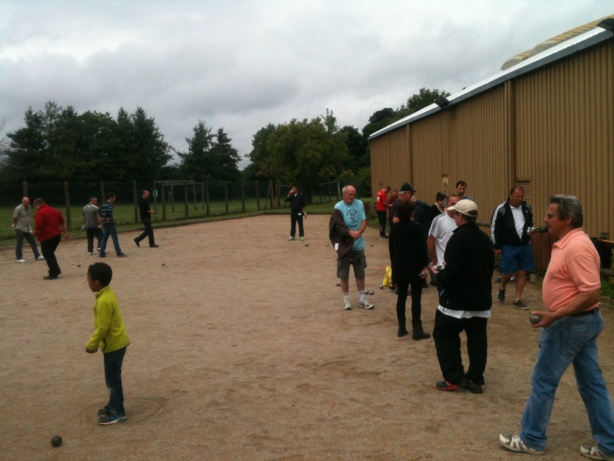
<point>571,325</point>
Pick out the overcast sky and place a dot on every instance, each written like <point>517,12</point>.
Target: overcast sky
<point>240,64</point>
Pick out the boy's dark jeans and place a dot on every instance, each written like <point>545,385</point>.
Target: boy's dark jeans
<point>113,379</point>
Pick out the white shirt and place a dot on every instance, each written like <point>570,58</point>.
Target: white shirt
<point>518,219</point>
<point>442,228</point>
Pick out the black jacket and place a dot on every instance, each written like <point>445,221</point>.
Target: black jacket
<point>407,252</point>
<point>297,203</point>
<point>505,228</point>
<point>466,282</point>
<point>339,234</point>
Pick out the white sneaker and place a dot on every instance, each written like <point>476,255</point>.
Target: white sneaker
<point>90,253</point>
<point>21,260</point>
<point>366,304</point>
<point>40,258</point>
<point>348,304</point>
<point>592,452</point>
<point>514,443</point>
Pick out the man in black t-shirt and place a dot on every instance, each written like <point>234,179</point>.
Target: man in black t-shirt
<point>146,213</point>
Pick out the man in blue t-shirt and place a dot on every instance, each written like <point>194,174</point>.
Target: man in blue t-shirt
<point>349,221</point>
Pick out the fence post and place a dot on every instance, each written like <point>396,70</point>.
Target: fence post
<point>257,196</point>
<point>243,195</point>
<point>185,196</point>
<point>207,191</point>
<point>226,195</point>
<point>135,201</point>
<point>67,200</point>
<point>163,194</point>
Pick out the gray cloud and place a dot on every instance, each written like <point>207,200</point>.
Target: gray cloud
<point>241,64</point>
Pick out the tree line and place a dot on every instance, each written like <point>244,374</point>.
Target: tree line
<point>58,143</point>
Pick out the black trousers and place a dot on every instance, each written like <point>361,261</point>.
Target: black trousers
<point>48,248</point>
<point>295,217</point>
<point>148,232</point>
<point>416,303</point>
<point>91,233</point>
<point>381,215</point>
<point>448,345</point>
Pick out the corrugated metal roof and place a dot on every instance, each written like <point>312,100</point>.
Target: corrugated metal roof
<point>551,42</point>
<point>557,52</point>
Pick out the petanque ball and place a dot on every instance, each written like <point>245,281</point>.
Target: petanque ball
<point>306,244</point>
<point>163,264</point>
<point>338,284</point>
<point>56,441</point>
<point>534,319</point>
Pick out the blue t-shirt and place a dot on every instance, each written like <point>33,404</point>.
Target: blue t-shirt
<point>353,215</point>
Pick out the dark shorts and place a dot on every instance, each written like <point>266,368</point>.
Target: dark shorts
<point>516,258</point>
<point>357,259</point>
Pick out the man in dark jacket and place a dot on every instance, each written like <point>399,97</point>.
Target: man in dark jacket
<point>146,212</point>
<point>512,236</point>
<point>465,300</point>
<point>297,211</point>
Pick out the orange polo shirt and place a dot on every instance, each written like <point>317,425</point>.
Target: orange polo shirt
<point>574,268</point>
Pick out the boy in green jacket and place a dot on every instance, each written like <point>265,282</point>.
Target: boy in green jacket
<point>111,337</point>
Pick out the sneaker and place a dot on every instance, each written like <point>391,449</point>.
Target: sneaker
<point>290,239</point>
<point>302,238</point>
<point>501,295</point>
<point>402,333</point>
<point>103,255</point>
<point>121,255</point>
<point>40,258</point>
<point>154,246</point>
<point>513,442</point>
<point>365,304</point>
<point>112,418</point>
<point>50,277</point>
<point>520,305</point>
<point>592,452</point>
<point>347,305</point>
<point>472,387</point>
<point>138,244</point>
<point>21,260</point>
<point>102,412</point>
<point>90,252</point>
<point>383,237</point>
<point>446,386</point>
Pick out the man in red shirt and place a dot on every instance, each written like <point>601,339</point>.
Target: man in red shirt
<point>381,206</point>
<point>48,228</point>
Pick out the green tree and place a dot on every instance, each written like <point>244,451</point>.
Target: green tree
<point>224,157</point>
<point>425,97</point>
<point>195,164</point>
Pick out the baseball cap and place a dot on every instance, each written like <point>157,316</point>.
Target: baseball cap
<point>406,187</point>
<point>465,207</point>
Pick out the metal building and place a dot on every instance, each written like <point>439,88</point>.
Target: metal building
<point>545,122</point>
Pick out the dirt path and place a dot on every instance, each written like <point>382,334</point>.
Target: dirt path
<point>241,351</point>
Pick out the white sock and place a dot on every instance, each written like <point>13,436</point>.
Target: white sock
<point>361,296</point>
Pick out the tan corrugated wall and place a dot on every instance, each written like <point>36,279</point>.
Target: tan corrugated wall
<point>565,134</point>
<point>552,131</point>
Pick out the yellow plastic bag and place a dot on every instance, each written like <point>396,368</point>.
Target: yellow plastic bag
<point>387,282</point>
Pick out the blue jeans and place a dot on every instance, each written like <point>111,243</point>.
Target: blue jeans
<point>30,238</point>
<point>571,340</point>
<point>109,229</point>
<point>113,378</point>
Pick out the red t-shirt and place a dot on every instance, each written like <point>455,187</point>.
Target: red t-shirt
<point>49,222</point>
<point>381,201</point>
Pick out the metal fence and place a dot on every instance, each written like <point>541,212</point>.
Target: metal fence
<point>172,200</point>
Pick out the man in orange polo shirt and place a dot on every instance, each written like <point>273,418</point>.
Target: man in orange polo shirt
<point>571,325</point>
<point>49,225</point>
